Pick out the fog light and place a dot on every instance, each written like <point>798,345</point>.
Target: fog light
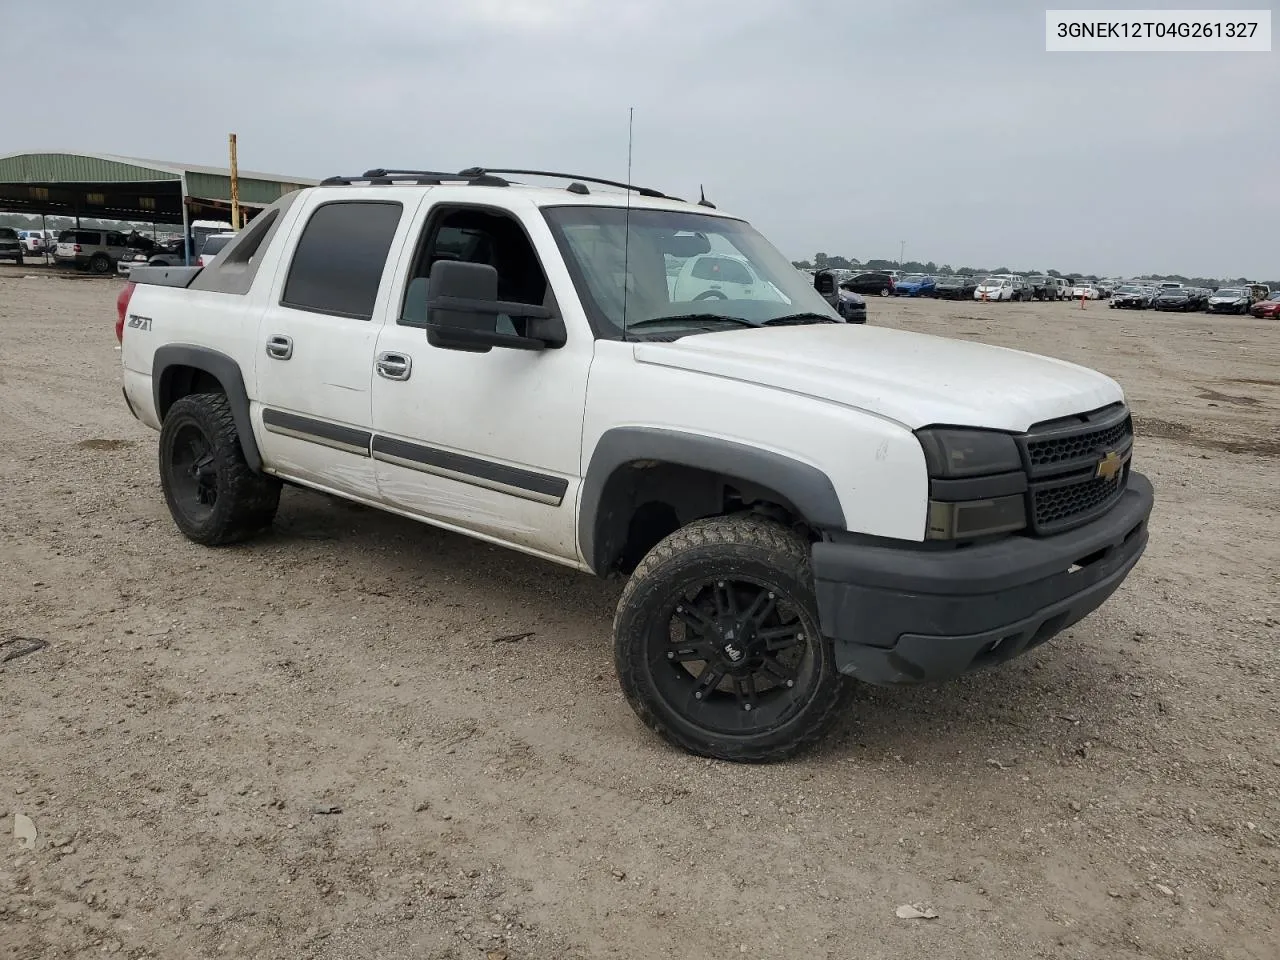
<point>966,519</point>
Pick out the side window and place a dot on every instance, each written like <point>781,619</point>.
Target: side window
<point>476,235</point>
<point>338,263</point>
<point>115,239</point>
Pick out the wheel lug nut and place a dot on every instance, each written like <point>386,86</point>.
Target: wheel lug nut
<point>791,683</point>
<point>746,706</point>
<point>670,655</point>
<point>698,695</point>
<point>771,596</point>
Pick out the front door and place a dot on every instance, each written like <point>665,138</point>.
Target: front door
<point>316,342</point>
<point>489,443</point>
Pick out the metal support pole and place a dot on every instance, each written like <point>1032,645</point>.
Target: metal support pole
<point>186,226</point>
<point>235,186</point>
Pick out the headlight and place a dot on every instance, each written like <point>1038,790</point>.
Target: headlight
<point>956,453</point>
<point>976,483</point>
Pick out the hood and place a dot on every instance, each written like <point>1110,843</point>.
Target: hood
<point>914,379</point>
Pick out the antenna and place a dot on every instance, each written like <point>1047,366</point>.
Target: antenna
<point>626,239</point>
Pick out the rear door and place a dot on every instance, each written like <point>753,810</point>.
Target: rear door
<point>317,336</point>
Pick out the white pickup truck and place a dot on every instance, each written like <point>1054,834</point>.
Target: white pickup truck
<point>796,500</point>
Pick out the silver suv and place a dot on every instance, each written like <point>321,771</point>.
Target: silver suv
<point>96,250</point>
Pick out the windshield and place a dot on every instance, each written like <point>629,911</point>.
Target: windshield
<point>993,282</point>
<point>913,278</point>
<point>1230,292</point>
<point>1128,289</point>
<point>680,265</point>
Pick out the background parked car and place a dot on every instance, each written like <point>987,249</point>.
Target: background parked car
<point>954,288</point>
<point>32,242</point>
<point>1229,300</point>
<point>1268,309</point>
<point>1130,297</point>
<point>10,245</point>
<point>1177,298</point>
<point>850,305</point>
<point>994,288</point>
<point>214,243</point>
<point>914,285</point>
<point>876,283</point>
<point>1086,290</point>
<point>96,250</point>
<point>1043,288</point>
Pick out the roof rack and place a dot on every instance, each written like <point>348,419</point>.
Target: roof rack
<point>382,177</point>
<point>643,191</point>
<point>486,177</point>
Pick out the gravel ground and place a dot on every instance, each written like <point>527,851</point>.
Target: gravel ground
<point>313,746</point>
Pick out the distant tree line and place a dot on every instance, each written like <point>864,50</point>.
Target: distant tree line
<point>823,261</point>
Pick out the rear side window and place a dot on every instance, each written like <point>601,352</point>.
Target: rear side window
<point>339,261</point>
<point>7,234</point>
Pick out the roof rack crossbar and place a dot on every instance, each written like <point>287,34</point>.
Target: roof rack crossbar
<point>643,191</point>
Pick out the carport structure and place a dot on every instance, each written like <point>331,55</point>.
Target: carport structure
<point>106,187</point>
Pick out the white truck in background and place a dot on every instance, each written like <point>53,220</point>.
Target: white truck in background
<point>796,500</point>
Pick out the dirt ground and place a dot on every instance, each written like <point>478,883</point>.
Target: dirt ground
<point>315,745</point>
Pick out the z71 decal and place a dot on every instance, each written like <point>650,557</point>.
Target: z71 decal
<point>139,323</point>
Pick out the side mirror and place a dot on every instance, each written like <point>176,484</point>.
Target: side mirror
<point>463,310</point>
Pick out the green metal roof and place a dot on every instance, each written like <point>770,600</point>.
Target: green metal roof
<point>128,188</point>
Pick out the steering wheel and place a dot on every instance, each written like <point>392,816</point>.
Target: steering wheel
<point>710,295</point>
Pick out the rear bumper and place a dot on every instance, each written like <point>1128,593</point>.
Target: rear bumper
<point>903,616</point>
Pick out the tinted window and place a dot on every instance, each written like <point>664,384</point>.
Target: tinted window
<point>476,235</point>
<point>721,269</point>
<point>7,234</point>
<point>115,239</point>
<point>338,263</point>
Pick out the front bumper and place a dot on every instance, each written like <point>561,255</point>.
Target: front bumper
<point>904,616</point>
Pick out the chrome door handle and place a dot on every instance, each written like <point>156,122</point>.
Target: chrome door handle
<point>280,347</point>
<point>394,366</point>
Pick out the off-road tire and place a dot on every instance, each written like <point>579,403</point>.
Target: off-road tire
<point>724,547</point>
<point>245,502</point>
<point>100,264</point>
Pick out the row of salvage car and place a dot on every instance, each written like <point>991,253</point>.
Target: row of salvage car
<point>1170,296</point>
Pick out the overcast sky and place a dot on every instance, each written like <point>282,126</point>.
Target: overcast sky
<point>831,126</point>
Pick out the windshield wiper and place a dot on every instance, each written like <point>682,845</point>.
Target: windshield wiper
<point>690,318</point>
<point>795,319</point>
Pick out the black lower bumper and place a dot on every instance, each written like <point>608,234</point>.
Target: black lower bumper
<point>902,615</point>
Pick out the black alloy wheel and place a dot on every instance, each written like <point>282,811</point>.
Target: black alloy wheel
<point>718,644</point>
<point>192,474</point>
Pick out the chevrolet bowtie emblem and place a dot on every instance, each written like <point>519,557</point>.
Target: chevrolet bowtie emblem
<point>1109,466</point>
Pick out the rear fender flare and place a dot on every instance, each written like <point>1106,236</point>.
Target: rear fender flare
<point>227,372</point>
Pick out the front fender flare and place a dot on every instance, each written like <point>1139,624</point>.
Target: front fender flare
<point>804,486</point>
